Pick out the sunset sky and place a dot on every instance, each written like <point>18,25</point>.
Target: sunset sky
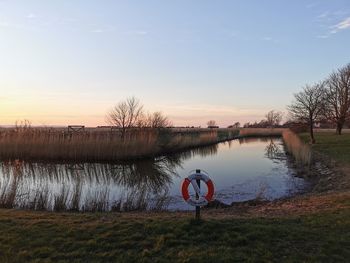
<point>68,62</point>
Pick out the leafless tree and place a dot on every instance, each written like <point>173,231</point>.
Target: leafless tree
<point>157,120</point>
<point>237,124</point>
<point>338,97</point>
<point>126,114</point>
<point>211,123</point>
<point>274,118</point>
<point>308,106</point>
<point>23,125</point>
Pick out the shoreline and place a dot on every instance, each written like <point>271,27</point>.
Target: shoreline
<point>104,146</point>
<point>314,174</point>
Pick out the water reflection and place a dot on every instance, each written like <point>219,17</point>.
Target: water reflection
<point>125,186</point>
<point>149,184</point>
<point>273,151</point>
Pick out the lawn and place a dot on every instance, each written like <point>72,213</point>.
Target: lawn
<point>335,146</point>
<point>318,236</point>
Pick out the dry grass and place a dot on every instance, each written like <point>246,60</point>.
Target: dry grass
<point>296,147</point>
<point>260,132</point>
<point>93,145</point>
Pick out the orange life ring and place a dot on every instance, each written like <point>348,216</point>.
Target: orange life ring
<point>202,200</point>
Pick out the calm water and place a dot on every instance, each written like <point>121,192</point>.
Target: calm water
<point>241,170</point>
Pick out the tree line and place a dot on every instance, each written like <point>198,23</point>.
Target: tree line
<point>325,101</point>
<point>273,119</point>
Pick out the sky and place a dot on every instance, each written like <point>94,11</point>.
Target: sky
<point>68,62</point>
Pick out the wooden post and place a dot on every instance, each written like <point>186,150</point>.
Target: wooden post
<point>198,208</point>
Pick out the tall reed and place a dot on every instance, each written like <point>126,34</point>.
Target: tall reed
<point>300,151</point>
<point>94,145</point>
<point>260,132</point>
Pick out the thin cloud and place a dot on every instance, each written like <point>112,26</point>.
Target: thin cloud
<point>342,25</point>
<point>323,15</point>
<point>332,22</point>
<point>270,39</point>
<point>267,38</point>
<point>31,16</point>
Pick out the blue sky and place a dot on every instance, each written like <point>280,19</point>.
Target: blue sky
<point>68,62</point>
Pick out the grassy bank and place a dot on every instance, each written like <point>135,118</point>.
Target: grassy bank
<point>320,236</point>
<point>334,146</point>
<point>94,145</point>
<point>331,155</point>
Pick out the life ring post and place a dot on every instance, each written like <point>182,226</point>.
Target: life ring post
<point>198,199</point>
<point>198,208</point>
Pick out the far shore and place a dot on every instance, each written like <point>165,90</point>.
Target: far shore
<point>106,144</point>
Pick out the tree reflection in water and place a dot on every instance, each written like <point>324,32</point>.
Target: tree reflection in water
<point>274,151</point>
<point>139,185</point>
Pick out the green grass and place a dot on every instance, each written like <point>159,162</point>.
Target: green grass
<point>335,146</point>
<point>50,237</point>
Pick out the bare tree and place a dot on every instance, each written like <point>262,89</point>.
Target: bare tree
<point>126,114</point>
<point>274,118</point>
<point>211,123</point>
<point>237,124</point>
<point>157,120</point>
<point>338,97</point>
<point>308,106</point>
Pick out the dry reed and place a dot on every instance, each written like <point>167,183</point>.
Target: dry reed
<point>90,146</point>
<point>260,132</point>
<point>300,151</point>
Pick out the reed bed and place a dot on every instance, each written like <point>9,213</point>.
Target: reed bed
<point>260,132</point>
<point>91,145</point>
<point>124,186</point>
<point>294,146</point>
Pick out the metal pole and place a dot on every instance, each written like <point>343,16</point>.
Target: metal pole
<point>198,208</point>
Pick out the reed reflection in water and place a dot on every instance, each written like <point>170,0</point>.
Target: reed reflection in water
<point>126,186</point>
<point>250,168</point>
<point>242,170</point>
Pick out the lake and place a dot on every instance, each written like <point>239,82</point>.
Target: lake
<point>241,170</point>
